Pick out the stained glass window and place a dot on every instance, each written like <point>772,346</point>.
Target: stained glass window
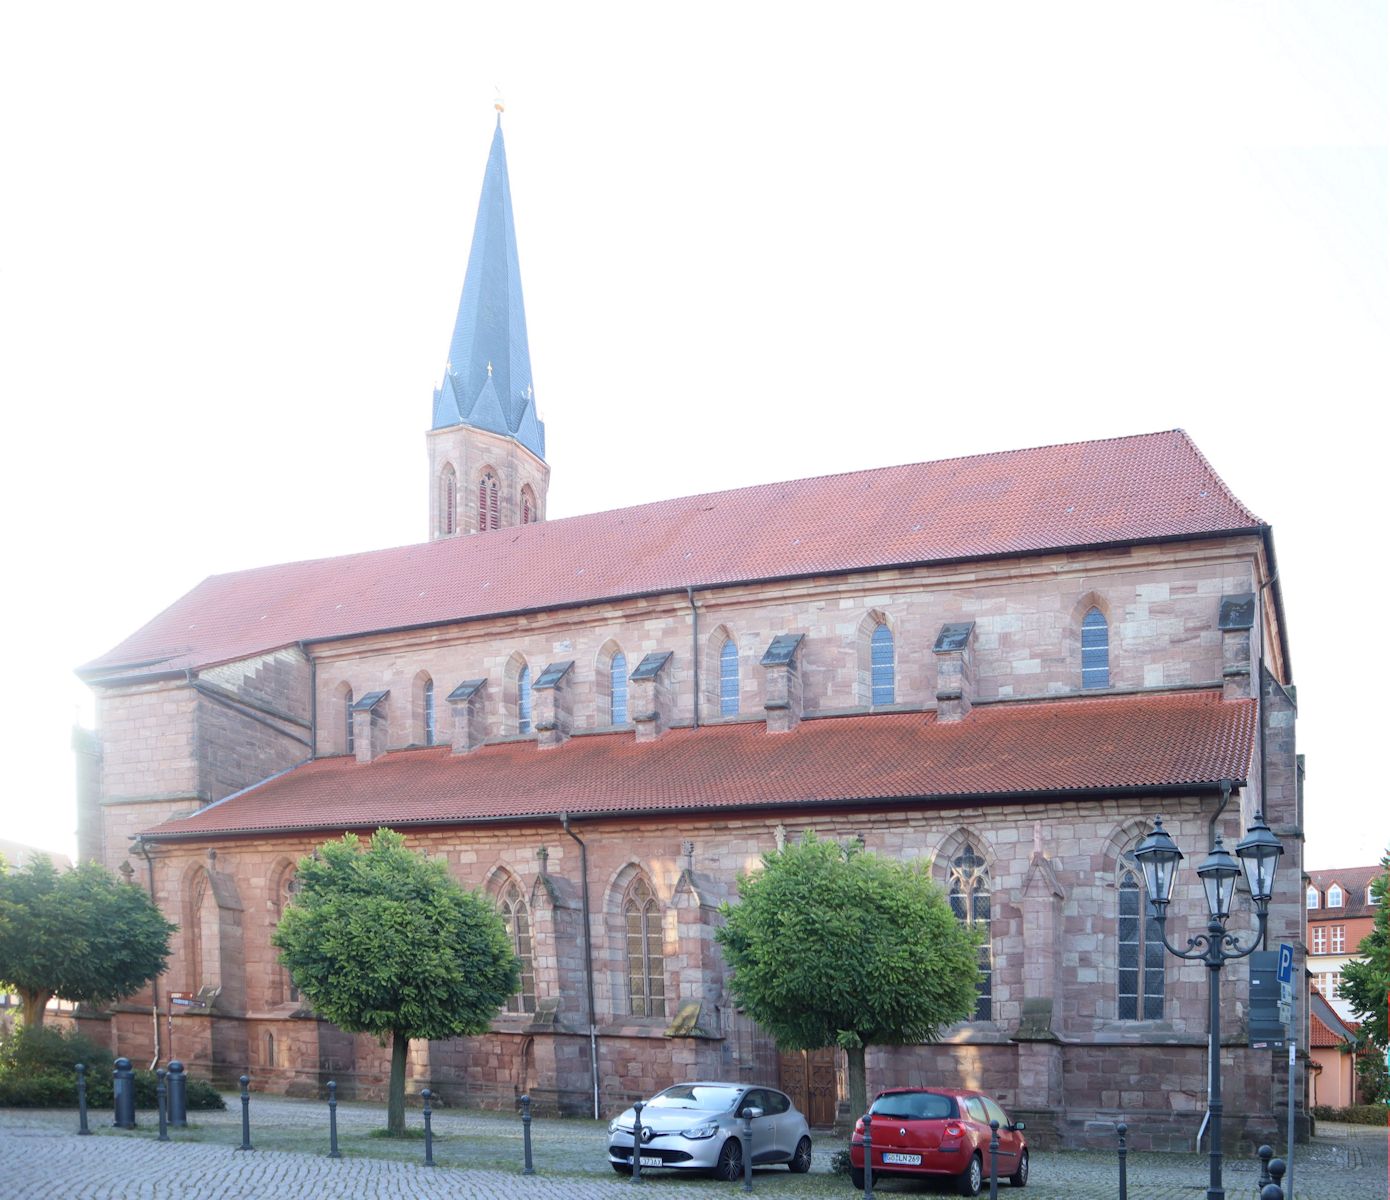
<point>969,897</point>
<point>1139,941</point>
<point>517,918</point>
<point>1095,650</point>
<point>728,679</point>
<point>523,701</point>
<point>882,690</point>
<point>617,696</point>
<point>645,963</point>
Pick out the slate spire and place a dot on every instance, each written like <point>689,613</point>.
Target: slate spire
<point>487,381</point>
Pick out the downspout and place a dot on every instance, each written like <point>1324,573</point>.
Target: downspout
<point>313,699</point>
<point>694,656</point>
<point>588,954</point>
<point>142,847</point>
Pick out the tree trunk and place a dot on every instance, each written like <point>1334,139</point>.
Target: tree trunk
<point>858,1095</point>
<point>395,1095</point>
<point>35,1004</point>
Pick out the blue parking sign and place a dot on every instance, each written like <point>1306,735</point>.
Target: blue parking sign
<point>1285,963</point>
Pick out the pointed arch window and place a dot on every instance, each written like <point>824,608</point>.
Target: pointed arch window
<point>347,722</point>
<point>528,505</point>
<point>489,514</point>
<point>517,917</point>
<point>728,678</point>
<point>617,689</point>
<point>1095,650</point>
<point>448,500</point>
<point>431,727</point>
<point>969,896</point>
<point>523,700</point>
<point>882,685</point>
<point>646,980</point>
<point>1334,896</point>
<point>1139,942</point>
<point>1313,897</point>
<point>284,897</point>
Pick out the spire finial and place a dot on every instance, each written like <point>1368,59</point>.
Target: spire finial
<point>497,101</point>
<point>489,369</point>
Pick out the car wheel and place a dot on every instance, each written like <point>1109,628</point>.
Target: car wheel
<point>801,1159</point>
<point>729,1165</point>
<point>1020,1177</point>
<point>856,1177</point>
<point>622,1168</point>
<point>972,1178</point>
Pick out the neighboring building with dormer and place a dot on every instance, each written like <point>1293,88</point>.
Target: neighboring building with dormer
<point>1341,911</point>
<point>1002,666</point>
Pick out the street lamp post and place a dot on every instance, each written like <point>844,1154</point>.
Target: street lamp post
<point>1258,853</point>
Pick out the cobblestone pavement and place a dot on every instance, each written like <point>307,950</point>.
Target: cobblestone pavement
<point>41,1156</point>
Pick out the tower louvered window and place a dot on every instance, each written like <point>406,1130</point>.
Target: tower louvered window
<point>728,679</point>
<point>489,512</point>
<point>969,897</point>
<point>617,707</point>
<point>883,688</point>
<point>448,501</point>
<point>528,506</point>
<point>645,962</point>
<point>1095,650</point>
<point>1140,949</point>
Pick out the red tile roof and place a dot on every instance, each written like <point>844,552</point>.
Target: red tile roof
<point>1354,881</point>
<point>1149,487</point>
<point>999,751</point>
<point>1320,1035</point>
<point>1325,1026</point>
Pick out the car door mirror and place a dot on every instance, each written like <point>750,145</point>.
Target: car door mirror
<point>1017,1125</point>
<point>753,1112</point>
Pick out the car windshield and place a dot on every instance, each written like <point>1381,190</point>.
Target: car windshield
<point>914,1106</point>
<point>708,1096</point>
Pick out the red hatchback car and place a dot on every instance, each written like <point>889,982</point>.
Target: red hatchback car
<point>939,1132</point>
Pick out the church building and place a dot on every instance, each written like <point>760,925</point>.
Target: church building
<point>1002,666</point>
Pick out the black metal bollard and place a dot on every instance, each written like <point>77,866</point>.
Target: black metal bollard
<point>333,1120</point>
<point>123,1095</point>
<point>529,1168</point>
<point>429,1133</point>
<point>1265,1154</point>
<point>178,1095</point>
<point>1274,1190</point>
<point>868,1156</point>
<point>747,1139</point>
<point>994,1160</point>
<point>637,1142</point>
<point>82,1099</point>
<point>246,1114</point>
<point>161,1099</point>
<point>1123,1152</point>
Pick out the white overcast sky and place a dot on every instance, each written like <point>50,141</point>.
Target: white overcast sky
<point>758,241</point>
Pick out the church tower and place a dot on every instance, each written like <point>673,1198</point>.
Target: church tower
<point>486,444</point>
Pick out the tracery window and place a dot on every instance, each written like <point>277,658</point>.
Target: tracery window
<point>1140,949</point>
<point>1095,650</point>
<point>728,679</point>
<point>969,896</point>
<point>882,685</point>
<point>523,700</point>
<point>646,981</point>
<point>517,917</point>
<point>617,689</point>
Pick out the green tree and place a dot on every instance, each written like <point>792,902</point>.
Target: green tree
<point>831,945</point>
<point>80,935</point>
<point>1365,980</point>
<point>382,940</point>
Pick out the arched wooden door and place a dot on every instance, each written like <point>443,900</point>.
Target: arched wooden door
<point>808,1077</point>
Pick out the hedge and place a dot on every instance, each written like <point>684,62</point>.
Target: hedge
<point>1356,1114</point>
<point>37,1070</point>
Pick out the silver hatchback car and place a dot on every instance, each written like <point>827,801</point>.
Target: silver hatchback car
<point>699,1127</point>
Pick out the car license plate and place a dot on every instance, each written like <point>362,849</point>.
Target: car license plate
<point>904,1160</point>
<point>652,1160</point>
